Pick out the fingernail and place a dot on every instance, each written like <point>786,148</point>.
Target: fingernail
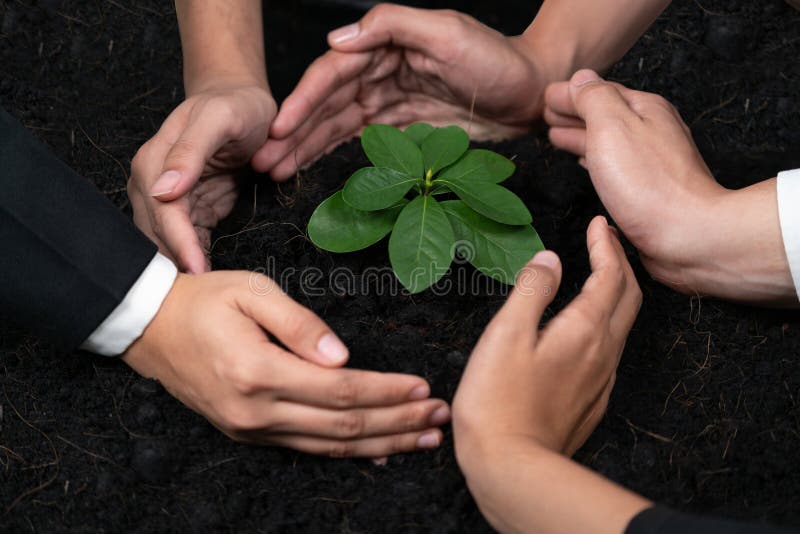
<point>582,77</point>
<point>166,183</point>
<point>428,441</point>
<point>345,33</point>
<point>440,416</point>
<point>381,461</point>
<point>546,258</point>
<point>420,392</point>
<point>332,349</point>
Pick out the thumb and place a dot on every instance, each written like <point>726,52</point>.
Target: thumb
<point>187,158</point>
<point>595,99</point>
<point>391,24</point>
<point>536,286</point>
<point>297,327</point>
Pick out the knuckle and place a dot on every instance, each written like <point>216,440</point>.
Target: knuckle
<point>296,324</point>
<point>412,417</point>
<point>157,221</point>
<point>350,425</point>
<point>341,449</point>
<point>379,14</point>
<point>241,379</point>
<point>181,149</point>
<point>346,392</point>
<point>598,90</point>
<point>236,418</point>
<point>399,444</point>
<point>139,158</point>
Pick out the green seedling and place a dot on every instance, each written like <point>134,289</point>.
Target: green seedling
<point>399,196</point>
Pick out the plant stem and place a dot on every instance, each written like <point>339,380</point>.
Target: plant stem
<point>428,182</point>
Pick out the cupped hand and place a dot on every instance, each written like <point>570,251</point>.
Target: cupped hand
<point>209,346</point>
<point>640,155</point>
<point>183,179</point>
<point>529,396</point>
<point>400,65</point>
<point>693,234</point>
<point>549,386</point>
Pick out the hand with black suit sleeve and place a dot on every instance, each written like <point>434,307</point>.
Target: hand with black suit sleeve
<point>76,270</point>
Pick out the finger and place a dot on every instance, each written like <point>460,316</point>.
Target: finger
<point>359,423</point>
<point>308,142</point>
<point>362,448</point>
<point>188,155</point>
<point>300,329</point>
<point>625,315</point>
<point>555,119</point>
<point>536,286</point>
<point>171,223</point>
<point>325,76</point>
<point>324,138</point>
<point>340,102</point>
<point>569,139</point>
<point>389,24</point>
<point>558,100</point>
<point>603,290</point>
<point>596,100</point>
<point>304,383</point>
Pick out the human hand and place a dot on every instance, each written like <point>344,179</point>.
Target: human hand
<point>183,179</point>
<point>209,346</point>
<point>400,65</point>
<point>693,234</point>
<point>527,390</point>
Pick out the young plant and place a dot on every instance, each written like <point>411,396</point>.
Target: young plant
<point>487,223</point>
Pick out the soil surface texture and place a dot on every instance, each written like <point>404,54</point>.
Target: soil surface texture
<point>705,416</point>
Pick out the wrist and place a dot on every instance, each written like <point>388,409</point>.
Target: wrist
<point>144,355</point>
<point>738,255</point>
<point>553,63</point>
<point>223,81</point>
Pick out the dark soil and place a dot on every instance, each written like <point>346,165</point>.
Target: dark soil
<point>705,415</point>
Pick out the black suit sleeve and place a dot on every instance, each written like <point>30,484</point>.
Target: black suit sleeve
<point>68,256</point>
<point>661,520</point>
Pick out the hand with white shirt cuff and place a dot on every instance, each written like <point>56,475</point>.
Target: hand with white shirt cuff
<point>693,234</point>
<point>204,337</point>
<point>789,209</point>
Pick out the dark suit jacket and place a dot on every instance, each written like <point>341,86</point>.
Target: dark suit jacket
<point>67,255</point>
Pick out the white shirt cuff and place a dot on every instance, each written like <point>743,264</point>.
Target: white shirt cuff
<point>789,210</point>
<point>129,319</point>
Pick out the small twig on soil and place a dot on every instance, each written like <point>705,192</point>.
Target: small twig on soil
<point>142,96</point>
<point>669,397</point>
<point>90,453</point>
<point>12,454</point>
<point>214,465</point>
<point>56,459</point>
<point>105,153</point>
<point>713,109</point>
<point>680,37</point>
<point>653,435</point>
<point>707,11</point>
<point>73,19</point>
<point>334,500</point>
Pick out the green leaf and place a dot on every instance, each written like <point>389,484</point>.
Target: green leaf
<point>421,244</point>
<point>419,131</point>
<point>376,188</point>
<point>497,250</point>
<point>337,227</point>
<point>480,165</point>
<point>492,200</point>
<point>443,147</point>
<point>439,189</point>
<point>386,146</point>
